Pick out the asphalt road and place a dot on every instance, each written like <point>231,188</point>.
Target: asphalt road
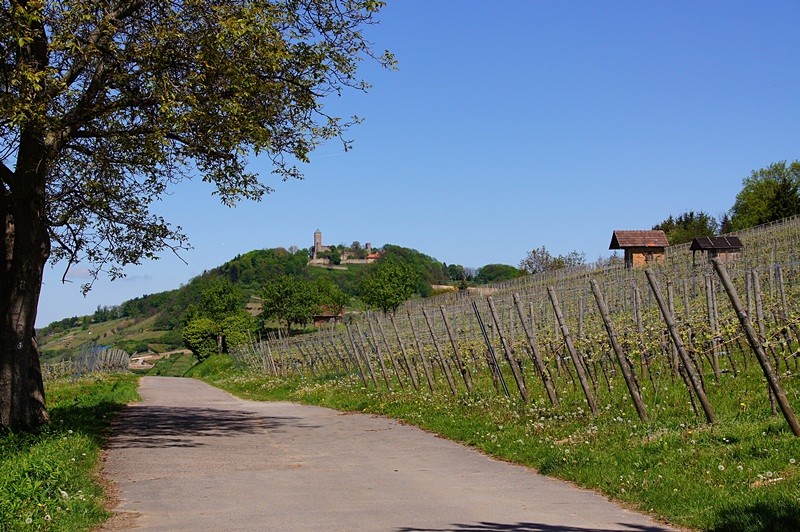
<point>192,457</point>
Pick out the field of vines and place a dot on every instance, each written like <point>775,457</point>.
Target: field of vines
<point>89,360</point>
<point>665,343</point>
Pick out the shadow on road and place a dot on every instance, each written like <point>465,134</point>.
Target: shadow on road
<point>162,426</point>
<point>533,527</point>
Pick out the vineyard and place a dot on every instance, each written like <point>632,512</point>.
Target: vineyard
<point>89,360</point>
<point>664,341</point>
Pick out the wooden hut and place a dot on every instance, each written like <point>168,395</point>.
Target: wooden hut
<point>641,247</point>
<point>725,247</point>
<point>327,316</point>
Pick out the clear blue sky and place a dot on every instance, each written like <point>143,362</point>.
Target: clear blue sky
<point>514,125</point>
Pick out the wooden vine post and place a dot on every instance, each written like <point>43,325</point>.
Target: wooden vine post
<point>385,374</point>
<point>460,361</point>
<point>491,358</point>
<point>624,365</point>
<point>442,360</point>
<point>392,359</point>
<point>712,326</point>
<point>515,369</point>
<point>694,379</point>
<point>358,359</point>
<point>530,334</point>
<point>425,364</point>
<point>576,359</point>
<point>406,362</point>
<point>758,349</point>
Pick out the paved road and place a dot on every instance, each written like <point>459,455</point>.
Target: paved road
<point>191,457</point>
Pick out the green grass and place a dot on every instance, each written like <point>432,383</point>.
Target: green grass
<point>174,365</point>
<point>48,481</point>
<point>743,473</point>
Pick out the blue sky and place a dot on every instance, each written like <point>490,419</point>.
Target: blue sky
<point>513,125</point>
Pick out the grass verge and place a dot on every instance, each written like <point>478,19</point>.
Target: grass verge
<point>48,481</point>
<point>741,474</point>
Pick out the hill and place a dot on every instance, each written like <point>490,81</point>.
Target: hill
<point>153,322</point>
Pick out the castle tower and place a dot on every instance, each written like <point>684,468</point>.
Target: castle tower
<point>317,243</point>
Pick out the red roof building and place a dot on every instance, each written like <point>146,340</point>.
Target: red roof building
<point>641,247</point>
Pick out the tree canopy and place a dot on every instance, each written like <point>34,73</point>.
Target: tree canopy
<point>218,322</point>
<point>293,300</point>
<point>494,273</point>
<point>540,260</point>
<point>105,105</point>
<point>767,195</point>
<point>388,284</point>
<point>687,226</point>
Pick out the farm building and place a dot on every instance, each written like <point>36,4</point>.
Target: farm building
<point>641,247</point>
<point>725,247</point>
<point>327,316</point>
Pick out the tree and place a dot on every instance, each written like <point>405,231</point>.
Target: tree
<point>688,226</point>
<point>290,300</point>
<point>104,105</point>
<point>356,251</point>
<point>218,322</point>
<point>767,195</point>
<point>540,260</point>
<point>335,255</point>
<point>388,284</point>
<point>329,296</point>
<point>457,272</point>
<point>495,273</point>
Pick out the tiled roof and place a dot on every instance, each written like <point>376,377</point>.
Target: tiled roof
<point>638,239</point>
<point>716,242</point>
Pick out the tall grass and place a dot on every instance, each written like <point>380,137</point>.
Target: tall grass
<point>48,481</point>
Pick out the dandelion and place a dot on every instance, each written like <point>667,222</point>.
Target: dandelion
<point>69,431</point>
<point>29,520</point>
<point>739,467</point>
<point>792,461</point>
<point>48,518</point>
<point>721,467</point>
<point>769,474</point>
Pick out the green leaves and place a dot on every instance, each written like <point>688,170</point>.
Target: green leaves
<point>290,300</point>
<point>768,194</point>
<point>219,322</point>
<point>688,226</point>
<point>125,100</point>
<point>388,284</point>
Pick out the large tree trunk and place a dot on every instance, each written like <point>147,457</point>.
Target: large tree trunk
<point>24,250</point>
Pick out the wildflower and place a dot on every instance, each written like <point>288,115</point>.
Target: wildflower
<point>69,431</point>
<point>28,521</point>
<point>739,467</point>
<point>792,461</point>
<point>48,518</point>
<point>721,467</point>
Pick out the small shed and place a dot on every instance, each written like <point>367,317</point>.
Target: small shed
<point>641,247</point>
<point>327,316</point>
<point>725,247</point>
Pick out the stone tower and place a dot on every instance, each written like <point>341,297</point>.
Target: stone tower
<point>317,243</point>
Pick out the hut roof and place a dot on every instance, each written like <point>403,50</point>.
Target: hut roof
<point>726,243</point>
<point>638,239</point>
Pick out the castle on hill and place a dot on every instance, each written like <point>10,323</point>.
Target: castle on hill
<point>320,253</point>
